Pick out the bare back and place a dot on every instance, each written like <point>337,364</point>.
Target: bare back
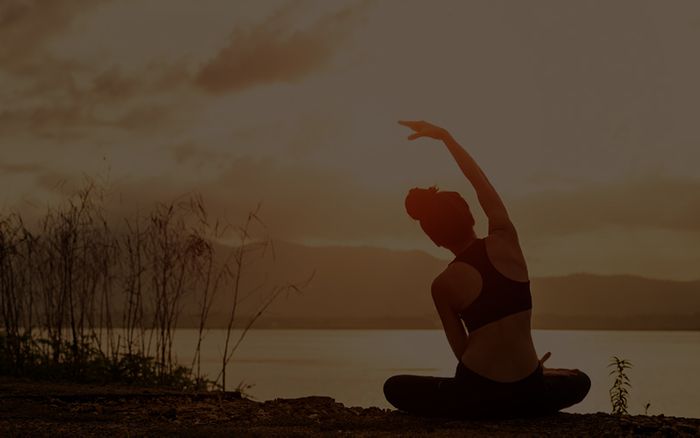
<point>503,350</point>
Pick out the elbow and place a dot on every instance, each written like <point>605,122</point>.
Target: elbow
<point>438,288</point>
<point>434,291</point>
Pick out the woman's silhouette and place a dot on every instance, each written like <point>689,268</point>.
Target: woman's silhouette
<point>487,287</point>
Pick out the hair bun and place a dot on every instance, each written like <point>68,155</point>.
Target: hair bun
<point>420,201</point>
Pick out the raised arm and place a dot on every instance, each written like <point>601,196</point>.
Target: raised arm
<point>488,197</point>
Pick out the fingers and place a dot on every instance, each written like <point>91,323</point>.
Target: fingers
<point>545,357</point>
<point>417,126</point>
<point>413,124</point>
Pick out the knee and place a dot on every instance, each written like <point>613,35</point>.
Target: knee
<point>391,386</point>
<point>397,389</point>
<point>583,384</point>
<point>576,386</point>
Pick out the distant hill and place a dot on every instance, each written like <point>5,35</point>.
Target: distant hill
<point>616,302</point>
<point>365,287</point>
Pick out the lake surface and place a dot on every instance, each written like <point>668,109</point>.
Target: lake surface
<point>352,365</point>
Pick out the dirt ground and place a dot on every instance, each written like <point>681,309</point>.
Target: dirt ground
<point>55,410</point>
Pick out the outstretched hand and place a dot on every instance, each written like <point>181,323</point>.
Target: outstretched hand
<point>556,371</point>
<point>424,129</point>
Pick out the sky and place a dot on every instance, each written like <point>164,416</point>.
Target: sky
<point>584,116</point>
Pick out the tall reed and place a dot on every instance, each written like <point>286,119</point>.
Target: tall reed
<point>87,296</point>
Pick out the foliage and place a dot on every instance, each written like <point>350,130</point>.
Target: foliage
<point>90,298</point>
<point>620,388</point>
<point>91,365</point>
<point>243,388</point>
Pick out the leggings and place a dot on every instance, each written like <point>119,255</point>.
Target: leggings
<point>470,395</point>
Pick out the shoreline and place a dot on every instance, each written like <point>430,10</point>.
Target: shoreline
<point>31,408</point>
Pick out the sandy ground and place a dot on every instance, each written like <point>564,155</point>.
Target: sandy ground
<point>53,409</point>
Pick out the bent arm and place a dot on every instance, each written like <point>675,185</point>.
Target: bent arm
<point>457,336</point>
<point>489,199</point>
<point>452,290</point>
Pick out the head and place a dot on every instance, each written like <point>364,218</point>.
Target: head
<point>444,216</point>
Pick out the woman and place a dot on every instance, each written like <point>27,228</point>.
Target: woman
<point>487,287</point>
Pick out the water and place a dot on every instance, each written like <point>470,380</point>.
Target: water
<point>352,365</point>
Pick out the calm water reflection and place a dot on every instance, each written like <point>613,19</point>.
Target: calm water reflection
<point>351,365</point>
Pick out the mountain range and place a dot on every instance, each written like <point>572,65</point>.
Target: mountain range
<point>368,287</point>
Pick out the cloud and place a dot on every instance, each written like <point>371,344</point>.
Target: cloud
<point>65,100</point>
<point>48,95</point>
<point>650,202</point>
<point>53,106</point>
<point>192,154</point>
<point>57,122</point>
<point>26,25</point>
<point>145,118</point>
<point>112,85</point>
<point>271,52</point>
<point>297,201</point>
<point>301,201</point>
<point>21,168</point>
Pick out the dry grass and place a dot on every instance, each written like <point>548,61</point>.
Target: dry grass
<point>88,297</point>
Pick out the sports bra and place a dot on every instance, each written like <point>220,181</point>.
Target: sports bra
<point>499,297</point>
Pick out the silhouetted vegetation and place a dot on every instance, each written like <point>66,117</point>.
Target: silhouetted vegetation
<point>620,389</point>
<point>89,298</point>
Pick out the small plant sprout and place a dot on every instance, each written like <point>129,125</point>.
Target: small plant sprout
<point>620,389</point>
<point>243,388</point>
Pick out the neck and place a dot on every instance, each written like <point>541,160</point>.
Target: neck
<point>458,249</point>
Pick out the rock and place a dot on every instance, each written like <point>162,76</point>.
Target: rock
<point>139,413</point>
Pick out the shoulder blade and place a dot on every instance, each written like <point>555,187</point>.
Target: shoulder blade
<point>460,283</point>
